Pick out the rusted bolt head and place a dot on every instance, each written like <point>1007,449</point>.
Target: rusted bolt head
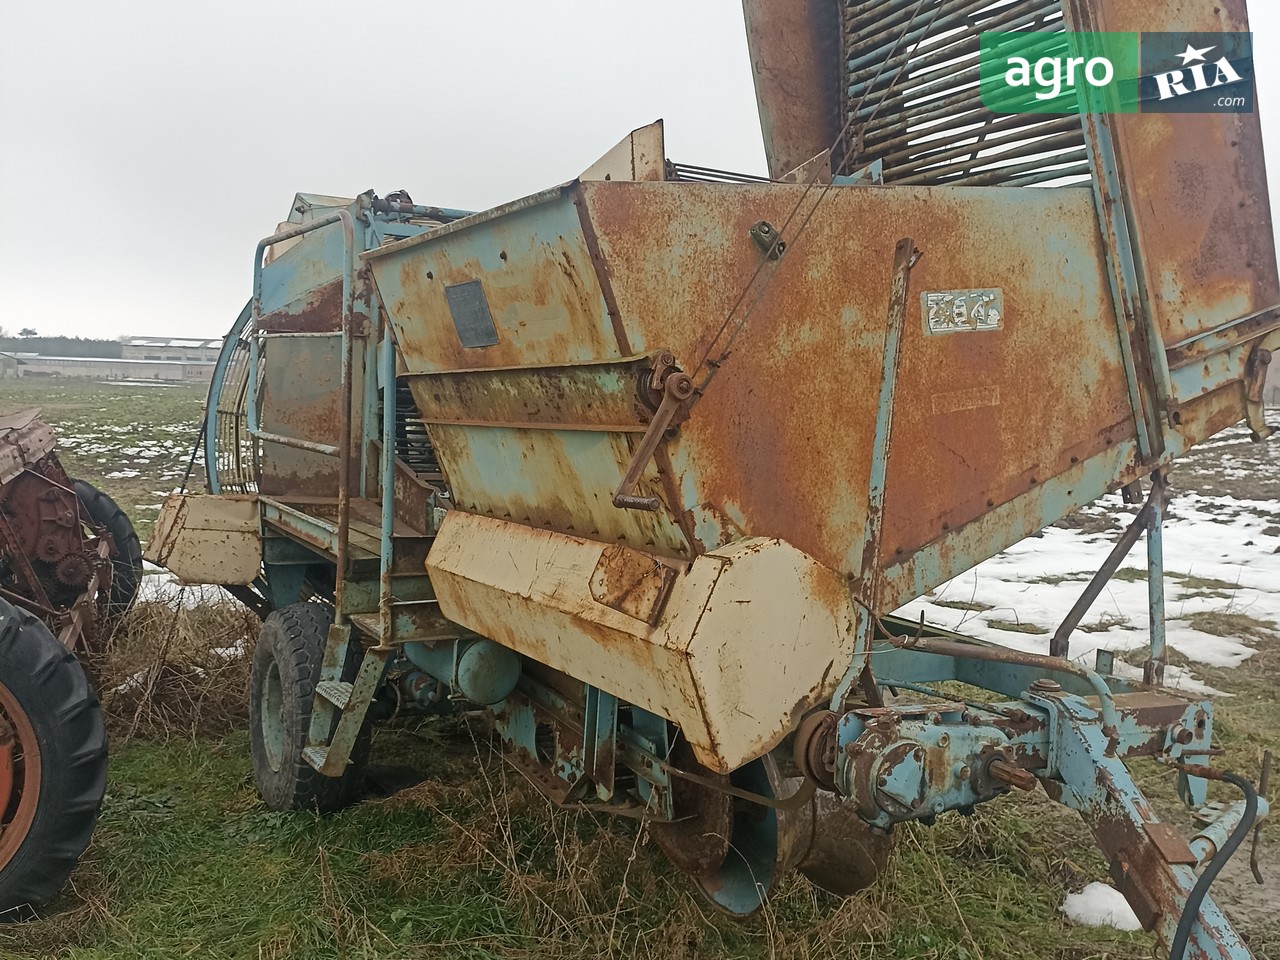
<point>1045,685</point>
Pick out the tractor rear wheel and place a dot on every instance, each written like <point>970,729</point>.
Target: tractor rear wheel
<point>282,684</point>
<point>126,573</point>
<point>53,761</point>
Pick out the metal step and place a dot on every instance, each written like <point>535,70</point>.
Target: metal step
<point>337,692</point>
<point>315,757</point>
<point>413,620</point>
<point>330,748</point>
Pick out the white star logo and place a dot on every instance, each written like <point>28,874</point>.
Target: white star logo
<point>1192,54</point>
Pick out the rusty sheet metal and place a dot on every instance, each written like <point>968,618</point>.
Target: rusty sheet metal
<point>1196,189</point>
<point>302,398</point>
<point>317,311</point>
<point>700,665</point>
<point>797,63</point>
<point>24,439</point>
<point>208,539</point>
<point>559,480</point>
<point>781,442</point>
<point>311,262</point>
<point>637,584</point>
<point>538,281</point>
<point>597,396</point>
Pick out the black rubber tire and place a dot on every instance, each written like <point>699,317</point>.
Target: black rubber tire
<point>50,687</point>
<point>126,575</point>
<point>292,643</point>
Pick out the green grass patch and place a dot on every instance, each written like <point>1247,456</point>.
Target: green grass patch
<point>472,863</point>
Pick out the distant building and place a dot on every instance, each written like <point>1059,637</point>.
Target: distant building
<point>9,366</point>
<point>101,368</point>
<point>171,349</point>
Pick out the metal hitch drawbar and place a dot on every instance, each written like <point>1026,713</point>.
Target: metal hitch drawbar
<point>912,762</point>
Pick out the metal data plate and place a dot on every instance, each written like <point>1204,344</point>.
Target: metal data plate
<point>962,311</point>
<point>470,312</point>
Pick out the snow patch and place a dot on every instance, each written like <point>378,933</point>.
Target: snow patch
<point>1217,560</point>
<point>1100,905</point>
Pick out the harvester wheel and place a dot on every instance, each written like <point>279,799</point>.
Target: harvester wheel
<point>126,573</point>
<point>53,748</point>
<point>282,678</point>
<point>825,840</point>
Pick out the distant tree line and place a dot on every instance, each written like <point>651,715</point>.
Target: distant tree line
<point>63,347</point>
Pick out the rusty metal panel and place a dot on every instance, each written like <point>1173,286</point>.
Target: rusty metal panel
<point>780,444</point>
<point>208,539</point>
<point>641,155</point>
<point>310,262</point>
<point>797,63</point>
<point>533,263</point>
<point>1196,190</point>
<point>594,396</point>
<point>319,310</point>
<point>700,663</point>
<point>301,398</point>
<point>554,479</point>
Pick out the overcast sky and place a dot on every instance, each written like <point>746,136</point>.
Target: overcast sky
<point>145,147</point>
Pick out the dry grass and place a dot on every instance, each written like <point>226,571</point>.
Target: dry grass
<point>176,670</point>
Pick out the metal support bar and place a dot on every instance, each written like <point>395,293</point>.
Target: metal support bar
<point>387,466</point>
<point>905,256</point>
<point>1059,645</point>
<point>1153,669</point>
<point>328,449</point>
<point>1224,337</point>
<point>950,648</point>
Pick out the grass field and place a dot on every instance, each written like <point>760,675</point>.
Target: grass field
<point>133,440</point>
<point>469,861</point>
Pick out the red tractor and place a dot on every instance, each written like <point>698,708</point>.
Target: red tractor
<point>69,558</point>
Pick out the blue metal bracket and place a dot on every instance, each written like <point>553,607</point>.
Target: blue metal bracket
<point>905,256</point>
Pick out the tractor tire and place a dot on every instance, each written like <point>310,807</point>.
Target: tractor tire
<point>58,772</point>
<point>282,683</point>
<point>126,573</point>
